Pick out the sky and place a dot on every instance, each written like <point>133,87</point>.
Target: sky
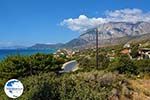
<point>27,22</point>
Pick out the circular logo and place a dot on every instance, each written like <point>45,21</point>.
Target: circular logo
<point>13,88</point>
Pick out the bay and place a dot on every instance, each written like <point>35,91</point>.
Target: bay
<point>10,52</point>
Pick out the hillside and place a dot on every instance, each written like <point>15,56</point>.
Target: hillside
<point>119,79</point>
<point>46,46</point>
<point>111,33</point>
<point>114,33</point>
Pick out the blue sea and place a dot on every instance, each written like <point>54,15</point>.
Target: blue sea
<point>5,52</point>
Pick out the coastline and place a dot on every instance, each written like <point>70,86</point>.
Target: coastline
<point>11,52</point>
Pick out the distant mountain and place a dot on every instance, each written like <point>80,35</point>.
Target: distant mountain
<point>108,34</point>
<point>46,46</point>
<point>75,43</point>
<point>112,33</point>
<point>13,47</point>
<point>117,29</point>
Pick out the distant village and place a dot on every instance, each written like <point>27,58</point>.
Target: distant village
<point>68,53</point>
<point>142,53</point>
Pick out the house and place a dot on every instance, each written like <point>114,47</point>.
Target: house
<point>126,52</point>
<point>64,52</point>
<point>127,45</point>
<point>111,55</point>
<point>144,53</point>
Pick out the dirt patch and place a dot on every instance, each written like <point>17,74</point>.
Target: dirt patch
<point>141,88</point>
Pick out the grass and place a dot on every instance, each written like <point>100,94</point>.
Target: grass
<point>141,89</point>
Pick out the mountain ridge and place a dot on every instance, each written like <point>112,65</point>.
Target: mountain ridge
<point>108,34</point>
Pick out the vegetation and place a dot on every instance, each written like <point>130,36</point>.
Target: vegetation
<point>124,66</point>
<point>134,50</point>
<point>41,80</point>
<point>22,66</point>
<point>95,85</point>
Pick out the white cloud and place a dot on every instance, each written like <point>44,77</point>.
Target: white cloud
<point>127,15</point>
<point>82,23</point>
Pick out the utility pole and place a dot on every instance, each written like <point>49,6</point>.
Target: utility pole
<point>97,65</point>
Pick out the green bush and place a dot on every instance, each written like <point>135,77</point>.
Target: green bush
<point>88,63</point>
<point>41,87</point>
<point>81,86</point>
<point>143,66</point>
<point>103,61</point>
<point>134,50</point>
<point>22,66</point>
<point>124,66</point>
